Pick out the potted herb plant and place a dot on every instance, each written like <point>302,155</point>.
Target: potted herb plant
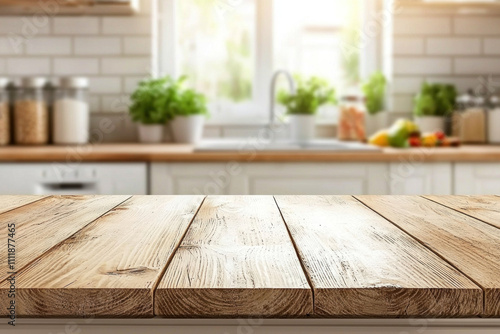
<point>149,108</point>
<point>188,111</point>
<point>374,90</point>
<point>303,106</point>
<point>432,105</point>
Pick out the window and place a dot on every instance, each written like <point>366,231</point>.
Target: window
<point>230,48</point>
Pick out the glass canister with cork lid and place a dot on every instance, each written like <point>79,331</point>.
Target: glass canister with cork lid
<point>31,113</point>
<point>4,112</point>
<point>71,111</point>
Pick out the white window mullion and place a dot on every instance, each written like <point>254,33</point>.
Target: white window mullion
<point>167,38</point>
<point>264,56</point>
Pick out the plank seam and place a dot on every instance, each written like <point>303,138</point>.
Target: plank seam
<point>169,261</point>
<point>295,247</point>
<point>430,249</point>
<point>460,212</point>
<point>51,249</point>
<point>30,203</point>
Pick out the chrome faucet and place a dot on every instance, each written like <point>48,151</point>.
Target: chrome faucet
<point>293,90</point>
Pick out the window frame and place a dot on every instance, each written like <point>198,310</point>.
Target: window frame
<point>257,111</point>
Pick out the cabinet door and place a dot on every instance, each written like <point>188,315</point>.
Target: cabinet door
<point>477,179</point>
<point>316,179</point>
<point>197,179</point>
<point>421,179</point>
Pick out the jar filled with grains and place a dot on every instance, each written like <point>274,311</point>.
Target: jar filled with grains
<point>4,112</point>
<point>31,113</point>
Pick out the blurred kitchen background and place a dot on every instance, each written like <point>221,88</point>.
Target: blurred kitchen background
<point>249,96</point>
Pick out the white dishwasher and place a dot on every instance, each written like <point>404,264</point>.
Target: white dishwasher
<point>73,179</point>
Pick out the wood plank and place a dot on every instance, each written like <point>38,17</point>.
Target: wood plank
<point>469,244</point>
<point>110,268</point>
<point>485,208</point>
<point>237,260</point>
<point>361,265</point>
<point>44,224</point>
<point>11,202</point>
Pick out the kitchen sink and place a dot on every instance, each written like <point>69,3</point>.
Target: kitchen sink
<point>327,145</point>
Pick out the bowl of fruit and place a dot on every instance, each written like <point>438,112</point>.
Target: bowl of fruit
<point>405,134</point>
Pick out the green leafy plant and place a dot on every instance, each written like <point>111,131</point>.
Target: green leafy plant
<point>374,89</point>
<point>187,102</point>
<point>311,94</point>
<point>151,99</point>
<point>435,100</point>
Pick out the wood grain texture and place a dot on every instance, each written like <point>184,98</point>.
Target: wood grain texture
<point>237,260</point>
<point>11,202</point>
<point>44,224</point>
<point>186,153</point>
<point>485,208</point>
<point>110,268</point>
<point>360,265</point>
<point>467,243</point>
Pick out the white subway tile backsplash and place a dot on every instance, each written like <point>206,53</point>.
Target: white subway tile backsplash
<point>24,26</point>
<point>126,25</point>
<point>407,85</point>
<point>477,25</point>
<point>422,25</point>
<point>106,85</point>
<point>137,45</point>
<point>408,46</point>
<point>49,46</point>
<point>491,46</point>
<point>477,66</point>
<point>76,66</point>
<point>76,25</point>
<point>6,47</point>
<point>115,103</point>
<point>453,46</point>
<point>123,66</point>
<point>95,103</point>
<point>422,66</point>
<point>402,103</point>
<point>131,83</point>
<point>25,66</point>
<point>98,46</point>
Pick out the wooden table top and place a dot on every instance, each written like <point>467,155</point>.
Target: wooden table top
<point>186,153</point>
<point>251,256</point>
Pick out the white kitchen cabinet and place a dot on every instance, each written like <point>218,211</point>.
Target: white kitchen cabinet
<point>477,179</point>
<point>235,178</point>
<point>73,178</point>
<point>407,178</point>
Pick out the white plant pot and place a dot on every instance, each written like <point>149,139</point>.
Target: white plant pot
<point>187,129</point>
<point>302,128</point>
<point>151,133</point>
<point>375,123</point>
<point>430,123</point>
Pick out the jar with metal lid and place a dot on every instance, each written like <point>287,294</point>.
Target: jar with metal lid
<point>31,113</point>
<point>71,112</point>
<point>4,112</point>
<point>352,113</point>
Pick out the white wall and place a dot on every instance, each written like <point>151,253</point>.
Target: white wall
<point>113,51</point>
<point>445,44</point>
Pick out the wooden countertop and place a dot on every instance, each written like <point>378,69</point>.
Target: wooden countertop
<point>185,153</point>
<point>251,256</point>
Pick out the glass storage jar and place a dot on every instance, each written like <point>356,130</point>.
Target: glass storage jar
<point>352,113</point>
<point>71,112</point>
<point>31,113</point>
<point>4,112</point>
